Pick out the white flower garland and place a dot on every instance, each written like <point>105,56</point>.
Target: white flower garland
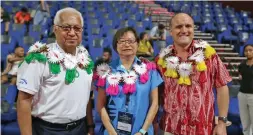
<point>114,78</point>
<point>129,78</point>
<point>69,61</point>
<point>36,47</point>
<point>184,69</point>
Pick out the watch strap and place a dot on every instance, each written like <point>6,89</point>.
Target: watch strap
<point>142,131</point>
<point>224,119</point>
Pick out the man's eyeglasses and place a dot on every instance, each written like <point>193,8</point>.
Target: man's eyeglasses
<point>68,28</point>
<point>126,41</point>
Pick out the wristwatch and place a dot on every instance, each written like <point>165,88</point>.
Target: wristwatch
<point>143,132</point>
<point>224,119</point>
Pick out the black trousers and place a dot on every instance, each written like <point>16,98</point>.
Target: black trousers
<point>41,127</point>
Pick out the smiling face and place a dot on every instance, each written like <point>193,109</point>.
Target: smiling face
<point>69,32</point>
<point>127,44</point>
<point>182,29</point>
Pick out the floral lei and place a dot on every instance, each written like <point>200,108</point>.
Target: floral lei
<point>175,68</point>
<point>55,58</point>
<point>129,79</point>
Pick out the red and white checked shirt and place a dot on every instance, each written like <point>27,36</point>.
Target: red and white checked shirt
<point>189,110</point>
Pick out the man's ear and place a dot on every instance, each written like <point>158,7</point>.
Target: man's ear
<point>54,28</point>
<point>170,31</point>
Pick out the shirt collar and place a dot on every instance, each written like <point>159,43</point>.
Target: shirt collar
<point>119,67</point>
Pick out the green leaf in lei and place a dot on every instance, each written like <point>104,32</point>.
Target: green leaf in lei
<point>35,56</point>
<point>90,67</point>
<point>70,75</point>
<point>54,67</point>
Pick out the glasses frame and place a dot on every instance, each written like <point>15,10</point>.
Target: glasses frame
<point>64,28</point>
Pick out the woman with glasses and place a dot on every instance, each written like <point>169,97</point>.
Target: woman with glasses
<point>245,95</point>
<point>127,93</point>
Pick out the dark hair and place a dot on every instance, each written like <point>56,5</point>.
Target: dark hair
<point>161,26</point>
<point>142,35</point>
<point>18,47</point>
<point>24,9</point>
<point>247,46</point>
<point>170,23</point>
<point>109,50</point>
<point>120,33</point>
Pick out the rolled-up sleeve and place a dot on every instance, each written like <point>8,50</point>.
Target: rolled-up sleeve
<point>29,77</point>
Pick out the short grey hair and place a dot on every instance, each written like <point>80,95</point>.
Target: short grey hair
<point>57,18</point>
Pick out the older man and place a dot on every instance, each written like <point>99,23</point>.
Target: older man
<point>190,70</point>
<point>54,82</point>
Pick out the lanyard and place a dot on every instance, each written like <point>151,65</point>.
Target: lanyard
<point>127,101</point>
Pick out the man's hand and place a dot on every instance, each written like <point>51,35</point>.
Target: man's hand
<point>148,53</point>
<point>91,131</point>
<point>138,133</point>
<point>220,129</point>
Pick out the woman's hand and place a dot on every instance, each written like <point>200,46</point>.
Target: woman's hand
<point>138,133</point>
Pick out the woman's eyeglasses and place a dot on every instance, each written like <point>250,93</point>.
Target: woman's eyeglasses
<point>121,42</point>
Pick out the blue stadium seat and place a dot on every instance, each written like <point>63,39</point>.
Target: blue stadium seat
<point>26,42</point>
<point>11,128</point>
<point>8,101</point>
<point>2,27</point>
<point>17,31</point>
<point>7,46</point>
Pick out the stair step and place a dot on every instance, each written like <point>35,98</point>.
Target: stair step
<point>160,17</point>
<point>235,77</point>
<point>141,5</point>
<point>202,34</point>
<point>203,37</point>
<point>224,49</point>
<point>197,31</point>
<point>220,45</point>
<point>212,41</point>
<point>232,63</point>
<point>232,70</point>
<point>235,58</point>
<point>228,53</point>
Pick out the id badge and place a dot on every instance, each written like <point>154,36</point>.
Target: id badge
<point>125,123</point>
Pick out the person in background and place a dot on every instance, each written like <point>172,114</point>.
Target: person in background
<point>191,69</point>
<point>22,16</point>
<point>5,18</point>
<point>128,89</point>
<point>54,82</point>
<point>158,35</point>
<point>42,13</point>
<point>145,49</point>
<point>106,58</point>
<point>13,61</point>
<point>245,95</point>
